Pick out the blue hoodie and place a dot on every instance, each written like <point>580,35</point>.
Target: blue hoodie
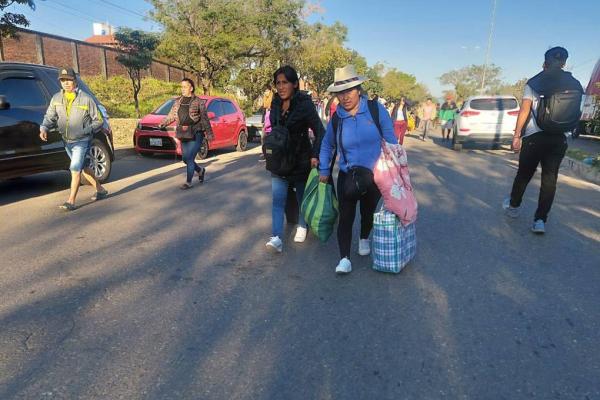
<point>362,142</point>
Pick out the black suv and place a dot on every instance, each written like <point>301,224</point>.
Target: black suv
<point>25,93</point>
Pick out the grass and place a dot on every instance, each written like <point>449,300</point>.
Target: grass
<point>581,155</point>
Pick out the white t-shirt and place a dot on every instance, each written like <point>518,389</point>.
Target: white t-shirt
<point>400,115</point>
<point>532,126</point>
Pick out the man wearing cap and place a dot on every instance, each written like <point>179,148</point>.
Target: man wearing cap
<point>538,146</point>
<point>75,114</point>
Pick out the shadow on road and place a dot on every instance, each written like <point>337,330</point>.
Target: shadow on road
<point>189,305</point>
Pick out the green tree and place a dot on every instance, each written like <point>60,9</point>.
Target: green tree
<point>322,52</point>
<point>216,38</point>
<point>138,48</point>
<point>9,22</point>
<point>516,89</point>
<point>467,80</point>
<point>397,84</point>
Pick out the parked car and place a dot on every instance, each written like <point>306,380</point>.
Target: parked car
<point>488,119</point>
<point>255,126</point>
<point>590,112</point>
<point>25,92</point>
<point>226,118</point>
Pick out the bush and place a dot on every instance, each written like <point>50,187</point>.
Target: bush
<point>116,94</point>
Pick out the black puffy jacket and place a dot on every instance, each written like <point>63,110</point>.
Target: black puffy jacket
<point>302,115</point>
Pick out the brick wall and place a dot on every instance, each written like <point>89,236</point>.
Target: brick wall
<point>176,75</point>
<point>90,60</point>
<point>58,52</point>
<point>22,49</point>
<point>159,71</point>
<point>113,66</point>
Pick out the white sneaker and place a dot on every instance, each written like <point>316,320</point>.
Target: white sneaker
<point>274,244</point>
<point>300,235</point>
<point>364,247</point>
<point>344,266</point>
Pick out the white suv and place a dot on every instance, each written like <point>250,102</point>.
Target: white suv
<point>490,119</point>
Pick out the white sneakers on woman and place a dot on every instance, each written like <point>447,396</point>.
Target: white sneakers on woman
<point>364,247</point>
<point>300,235</point>
<point>344,266</point>
<point>275,244</point>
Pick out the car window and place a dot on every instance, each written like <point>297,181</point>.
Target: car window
<point>23,92</point>
<point>228,107</point>
<point>493,104</point>
<point>215,106</point>
<point>164,108</point>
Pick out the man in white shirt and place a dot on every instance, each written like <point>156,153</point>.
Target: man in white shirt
<point>538,146</point>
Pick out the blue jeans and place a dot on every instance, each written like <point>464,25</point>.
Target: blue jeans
<point>279,187</point>
<point>78,152</point>
<point>189,149</point>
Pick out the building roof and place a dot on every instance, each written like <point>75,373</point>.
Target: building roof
<point>102,39</point>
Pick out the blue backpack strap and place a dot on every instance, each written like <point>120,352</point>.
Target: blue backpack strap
<point>335,122</point>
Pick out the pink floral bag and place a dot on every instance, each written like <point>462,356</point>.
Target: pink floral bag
<point>393,180</point>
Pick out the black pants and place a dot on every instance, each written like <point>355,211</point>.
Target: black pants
<point>547,150</point>
<point>368,203</point>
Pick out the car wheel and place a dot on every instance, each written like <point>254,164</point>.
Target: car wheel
<point>242,143</point>
<point>100,163</point>
<point>203,152</point>
<point>146,153</point>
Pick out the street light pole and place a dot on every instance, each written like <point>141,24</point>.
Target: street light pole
<point>489,46</point>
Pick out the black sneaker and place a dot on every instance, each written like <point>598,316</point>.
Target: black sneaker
<point>100,195</point>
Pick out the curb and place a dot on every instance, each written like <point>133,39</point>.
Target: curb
<point>581,170</point>
<point>121,152</point>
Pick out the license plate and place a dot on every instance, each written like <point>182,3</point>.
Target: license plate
<point>156,142</point>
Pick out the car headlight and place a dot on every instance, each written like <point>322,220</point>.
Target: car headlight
<point>139,125</point>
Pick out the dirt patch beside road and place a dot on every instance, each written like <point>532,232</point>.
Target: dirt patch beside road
<point>123,131</point>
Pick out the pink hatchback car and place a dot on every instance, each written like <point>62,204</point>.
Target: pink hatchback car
<point>227,121</point>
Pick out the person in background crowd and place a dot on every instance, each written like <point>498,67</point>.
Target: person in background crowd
<point>536,145</point>
<point>400,118</point>
<point>190,114</point>
<point>266,123</point>
<point>359,144</point>
<point>75,114</point>
<point>446,116</point>
<point>294,109</point>
<point>429,113</point>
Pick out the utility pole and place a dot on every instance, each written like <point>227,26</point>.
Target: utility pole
<point>489,46</point>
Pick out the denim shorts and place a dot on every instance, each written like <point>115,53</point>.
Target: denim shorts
<point>78,152</point>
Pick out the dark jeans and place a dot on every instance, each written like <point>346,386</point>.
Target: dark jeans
<point>547,150</point>
<point>368,204</point>
<point>189,149</point>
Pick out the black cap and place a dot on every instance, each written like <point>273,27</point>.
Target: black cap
<point>66,73</point>
<point>556,54</point>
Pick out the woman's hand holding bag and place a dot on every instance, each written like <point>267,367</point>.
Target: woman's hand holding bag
<point>392,177</point>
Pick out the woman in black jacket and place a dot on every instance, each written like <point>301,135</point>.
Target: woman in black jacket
<point>295,110</point>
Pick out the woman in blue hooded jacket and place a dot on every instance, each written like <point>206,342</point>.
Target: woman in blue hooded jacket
<point>358,141</point>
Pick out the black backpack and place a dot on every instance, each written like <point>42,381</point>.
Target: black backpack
<point>559,108</point>
<point>279,150</point>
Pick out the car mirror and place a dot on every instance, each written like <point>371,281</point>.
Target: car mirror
<point>211,115</point>
<point>4,104</point>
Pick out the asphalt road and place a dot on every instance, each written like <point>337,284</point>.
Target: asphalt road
<point>157,293</point>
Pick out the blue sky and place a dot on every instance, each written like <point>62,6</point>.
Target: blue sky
<point>423,38</point>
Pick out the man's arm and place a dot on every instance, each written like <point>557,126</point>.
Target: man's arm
<point>50,120</point>
<point>96,117</point>
<point>521,120</point>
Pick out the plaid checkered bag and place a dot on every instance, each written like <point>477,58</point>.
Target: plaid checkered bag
<point>394,245</point>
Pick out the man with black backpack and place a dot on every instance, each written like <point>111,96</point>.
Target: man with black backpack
<point>550,110</point>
